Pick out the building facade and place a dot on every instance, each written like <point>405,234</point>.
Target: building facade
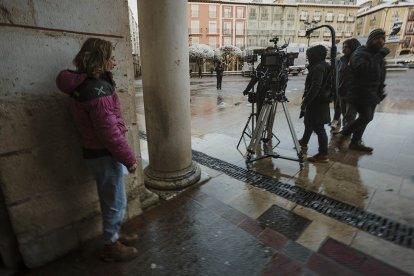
<point>396,18</point>
<point>254,23</point>
<point>217,23</point>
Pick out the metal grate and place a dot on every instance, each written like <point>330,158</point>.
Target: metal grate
<point>388,229</point>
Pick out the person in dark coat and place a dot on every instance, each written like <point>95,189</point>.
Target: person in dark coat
<point>344,71</point>
<point>315,102</point>
<point>219,74</point>
<point>366,87</point>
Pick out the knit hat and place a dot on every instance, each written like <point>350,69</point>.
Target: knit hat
<point>375,34</point>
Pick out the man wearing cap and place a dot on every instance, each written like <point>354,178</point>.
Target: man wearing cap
<point>366,87</point>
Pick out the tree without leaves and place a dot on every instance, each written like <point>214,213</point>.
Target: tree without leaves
<point>227,54</point>
<point>199,53</point>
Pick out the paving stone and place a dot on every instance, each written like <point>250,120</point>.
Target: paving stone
<point>284,222</point>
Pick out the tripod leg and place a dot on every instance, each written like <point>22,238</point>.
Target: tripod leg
<point>260,125</point>
<point>251,117</point>
<point>270,122</point>
<point>292,132</point>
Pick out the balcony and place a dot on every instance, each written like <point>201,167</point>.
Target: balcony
<point>302,33</point>
<point>348,34</point>
<point>329,18</point>
<point>339,34</point>
<point>351,19</point>
<point>304,17</point>
<point>316,18</point>
<point>227,32</point>
<point>326,34</point>
<point>341,18</point>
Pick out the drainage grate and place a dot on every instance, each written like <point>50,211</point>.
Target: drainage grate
<point>388,229</point>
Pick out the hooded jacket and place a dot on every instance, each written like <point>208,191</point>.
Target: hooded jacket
<point>317,107</point>
<point>95,109</point>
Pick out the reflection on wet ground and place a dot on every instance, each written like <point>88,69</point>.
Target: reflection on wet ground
<point>381,182</point>
<point>235,227</point>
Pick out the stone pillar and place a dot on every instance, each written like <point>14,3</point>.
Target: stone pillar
<point>163,36</point>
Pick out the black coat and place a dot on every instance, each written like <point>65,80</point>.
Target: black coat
<point>367,76</point>
<point>317,108</point>
<point>344,76</point>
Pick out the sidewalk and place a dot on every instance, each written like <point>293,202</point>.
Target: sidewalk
<point>351,216</point>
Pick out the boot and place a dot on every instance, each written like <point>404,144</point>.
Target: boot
<point>303,146</point>
<point>117,252</point>
<point>128,239</point>
<point>319,158</point>
<point>359,145</point>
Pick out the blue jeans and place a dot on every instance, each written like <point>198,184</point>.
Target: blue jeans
<point>109,177</point>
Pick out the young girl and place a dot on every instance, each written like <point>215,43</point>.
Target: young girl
<point>95,109</point>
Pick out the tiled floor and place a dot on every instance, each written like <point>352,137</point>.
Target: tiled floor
<point>227,226</point>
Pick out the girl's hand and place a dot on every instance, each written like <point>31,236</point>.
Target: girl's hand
<point>133,168</point>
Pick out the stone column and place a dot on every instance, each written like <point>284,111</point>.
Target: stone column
<point>163,34</point>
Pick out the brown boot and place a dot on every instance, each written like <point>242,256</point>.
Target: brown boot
<point>318,158</point>
<point>303,146</point>
<point>117,252</point>
<point>128,239</point>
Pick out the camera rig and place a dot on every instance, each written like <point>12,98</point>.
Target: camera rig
<point>272,74</point>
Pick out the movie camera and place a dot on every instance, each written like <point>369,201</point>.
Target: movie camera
<point>272,73</point>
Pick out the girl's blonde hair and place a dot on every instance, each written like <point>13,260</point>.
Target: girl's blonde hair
<point>93,57</point>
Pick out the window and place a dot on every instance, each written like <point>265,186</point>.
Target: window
<point>227,41</point>
<point>351,17</point>
<point>253,13</point>
<point>227,28</point>
<point>317,16</point>
<point>212,27</point>
<point>263,42</point>
<point>240,42</point>
<point>264,14</point>
<point>227,12</point>
<point>304,15</point>
<point>194,10</point>
<point>252,41</point>
<point>329,17</point>
<point>212,11</point>
<point>212,41</point>
<point>195,40</point>
<point>341,17</point>
<point>239,28</point>
<point>240,12</point>
<point>195,27</point>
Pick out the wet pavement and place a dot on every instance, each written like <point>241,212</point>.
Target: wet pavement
<point>236,225</point>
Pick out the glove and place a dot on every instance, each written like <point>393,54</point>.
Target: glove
<point>302,110</point>
<point>245,92</point>
<point>384,51</point>
<point>251,98</point>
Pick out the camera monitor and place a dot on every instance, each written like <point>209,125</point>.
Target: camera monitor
<point>272,59</point>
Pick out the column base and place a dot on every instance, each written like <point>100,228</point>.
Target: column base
<point>172,181</point>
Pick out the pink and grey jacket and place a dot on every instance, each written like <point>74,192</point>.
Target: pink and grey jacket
<point>96,112</point>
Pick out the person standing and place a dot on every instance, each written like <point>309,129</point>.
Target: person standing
<point>219,74</point>
<point>344,71</point>
<point>315,102</point>
<point>95,109</point>
<point>366,87</point>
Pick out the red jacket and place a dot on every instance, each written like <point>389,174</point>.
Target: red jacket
<point>96,112</point>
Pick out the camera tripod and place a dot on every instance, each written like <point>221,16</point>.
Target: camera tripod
<point>264,131</point>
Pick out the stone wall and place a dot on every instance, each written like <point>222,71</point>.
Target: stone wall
<point>50,198</point>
